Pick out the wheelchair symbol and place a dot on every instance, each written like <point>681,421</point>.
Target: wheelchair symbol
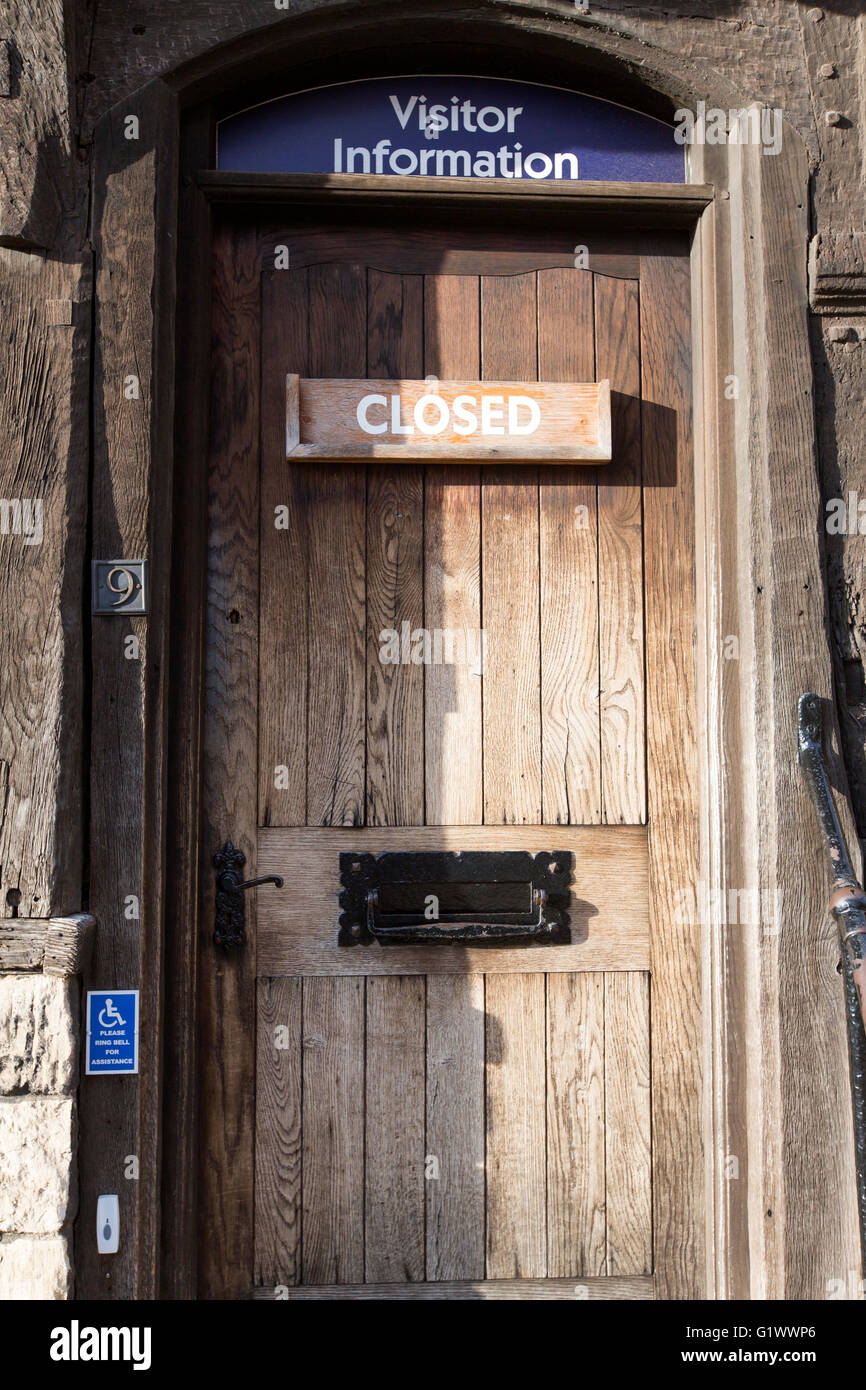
<point>109,1016</point>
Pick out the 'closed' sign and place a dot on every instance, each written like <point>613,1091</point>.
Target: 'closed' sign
<point>447,419</point>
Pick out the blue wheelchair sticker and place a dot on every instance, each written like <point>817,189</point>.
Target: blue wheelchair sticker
<point>112,1031</point>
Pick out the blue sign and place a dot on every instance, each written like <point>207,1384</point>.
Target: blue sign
<point>467,127</point>
<point>112,1031</point>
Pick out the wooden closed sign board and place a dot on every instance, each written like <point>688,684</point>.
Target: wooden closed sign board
<point>417,420</point>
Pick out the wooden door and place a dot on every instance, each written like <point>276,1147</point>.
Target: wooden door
<point>428,1121</point>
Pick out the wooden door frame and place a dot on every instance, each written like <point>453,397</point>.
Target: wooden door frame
<point>774,1094</point>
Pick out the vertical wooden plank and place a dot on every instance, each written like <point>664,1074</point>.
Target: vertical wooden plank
<point>455,1126</point>
<point>628,1168</point>
<point>516,1127</point>
<point>333,1131</point>
<point>678,1174</point>
<point>229,798</point>
<point>337,536</point>
<point>568,563</point>
<point>452,575</point>
<point>620,560</point>
<point>509,569</point>
<point>395,325</point>
<point>184,849</point>
<point>278,1132</point>
<point>283,571</point>
<point>576,1215</point>
<point>394,1196</point>
<point>395,540</point>
<point>134,212</point>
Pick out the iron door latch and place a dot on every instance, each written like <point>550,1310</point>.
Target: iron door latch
<point>229,924</point>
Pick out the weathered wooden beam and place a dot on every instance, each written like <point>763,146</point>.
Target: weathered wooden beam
<point>488,1290</point>
<point>55,945</point>
<point>44,429</point>
<point>38,172</point>
<point>135,189</point>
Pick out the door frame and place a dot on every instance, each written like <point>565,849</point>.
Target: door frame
<point>774,1094</point>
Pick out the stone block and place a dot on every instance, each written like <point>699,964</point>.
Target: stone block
<point>37,1151</point>
<point>34,1268</point>
<point>39,1034</point>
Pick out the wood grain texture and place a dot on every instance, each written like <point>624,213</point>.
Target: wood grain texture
<point>278,1131</point>
<point>227,990</point>
<point>133,212</point>
<point>627,1167</point>
<point>491,1290</point>
<point>509,575</point>
<point>455,1126</point>
<point>800,951</point>
<point>284,561</point>
<point>678,1185</point>
<point>655,205</point>
<point>568,574</point>
<point>334,1032</point>
<point>452,571</point>
<point>576,1135</point>
<point>416,247</point>
<point>44,425</point>
<point>297,929</point>
<point>22,944</point>
<point>184,849</point>
<point>55,945</point>
<point>516,1127</point>
<point>520,1101</point>
<point>395,682</point>
<point>337,533</point>
<point>394,566</point>
<point>394,1156</point>
<point>620,562</point>
<point>38,203</point>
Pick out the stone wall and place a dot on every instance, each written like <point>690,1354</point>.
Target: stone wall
<point>40,1046</point>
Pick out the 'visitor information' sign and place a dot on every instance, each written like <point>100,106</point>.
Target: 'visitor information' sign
<point>450,127</point>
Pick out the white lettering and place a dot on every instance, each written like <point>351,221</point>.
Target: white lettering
<point>361,414</point>
<point>530,425</point>
<point>431,414</point>
<point>403,116</point>
<point>559,164</point>
<point>397,427</point>
<point>465,421</point>
<point>425,426</point>
<point>490,118</point>
<point>490,410</point>
<point>363,154</point>
<point>453,156</point>
<point>410,161</point>
<point>546,165</point>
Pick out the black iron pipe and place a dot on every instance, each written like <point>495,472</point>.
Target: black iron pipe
<point>848,905</point>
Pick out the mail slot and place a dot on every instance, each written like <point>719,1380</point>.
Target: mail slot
<point>478,898</point>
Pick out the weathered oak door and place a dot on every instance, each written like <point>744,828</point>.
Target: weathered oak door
<point>444,1121</point>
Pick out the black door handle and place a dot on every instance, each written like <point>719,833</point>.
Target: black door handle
<point>229,924</point>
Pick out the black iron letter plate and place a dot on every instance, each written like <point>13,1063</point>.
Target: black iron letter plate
<point>482,897</point>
